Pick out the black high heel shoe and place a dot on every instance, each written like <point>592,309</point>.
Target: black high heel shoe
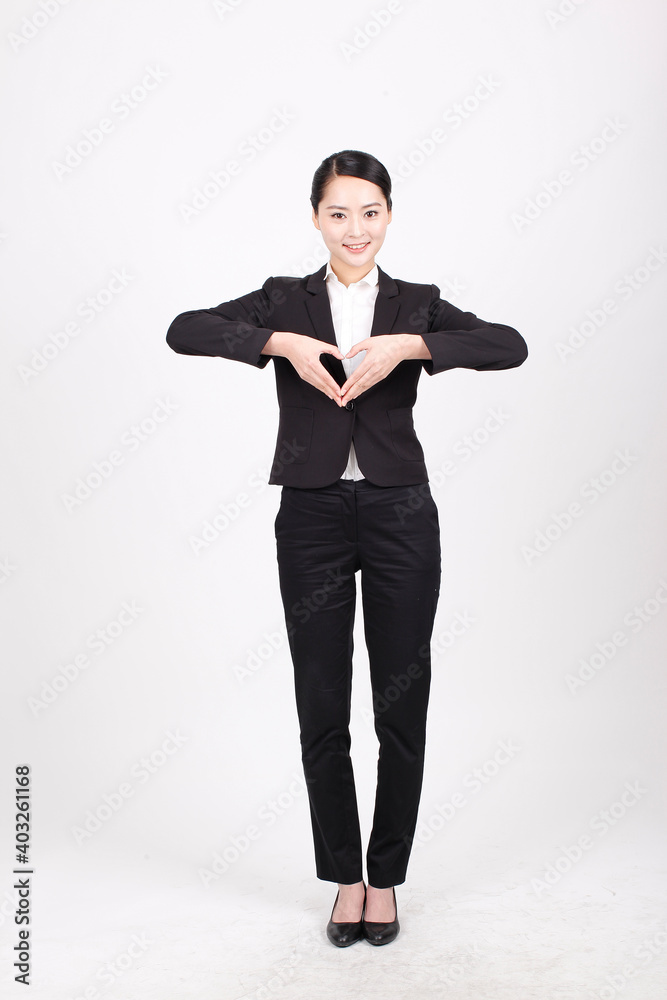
<point>376,932</point>
<point>345,933</point>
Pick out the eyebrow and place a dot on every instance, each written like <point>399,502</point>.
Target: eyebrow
<point>346,209</point>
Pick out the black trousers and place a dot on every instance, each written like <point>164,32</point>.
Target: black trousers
<point>392,535</point>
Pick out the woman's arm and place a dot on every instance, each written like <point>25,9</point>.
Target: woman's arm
<point>457,339</point>
<point>238,329</point>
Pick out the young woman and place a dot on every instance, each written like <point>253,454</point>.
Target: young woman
<point>348,344</point>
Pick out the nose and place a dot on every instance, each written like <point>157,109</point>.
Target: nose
<point>358,232</point>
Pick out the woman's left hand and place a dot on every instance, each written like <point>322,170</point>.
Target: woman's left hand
<point>383,353</point>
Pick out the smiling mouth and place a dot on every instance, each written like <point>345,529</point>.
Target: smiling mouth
<point>356,247</point>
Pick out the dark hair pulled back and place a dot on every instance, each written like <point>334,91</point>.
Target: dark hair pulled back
<point>350,163</point>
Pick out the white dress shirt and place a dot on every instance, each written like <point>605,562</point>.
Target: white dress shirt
<point>352,310</point>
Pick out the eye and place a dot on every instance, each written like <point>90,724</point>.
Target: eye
<point>334,214</point>
<point>372,211</point>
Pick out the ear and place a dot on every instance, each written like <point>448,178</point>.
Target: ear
<point>388,216</point>
<point>316,222</point>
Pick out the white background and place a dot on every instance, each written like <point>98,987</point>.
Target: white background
<point>497,902</point>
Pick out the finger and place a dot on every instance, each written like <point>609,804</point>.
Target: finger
<point>325,377</point>
<point>335,395</point>
<point>352,386</point>
<point>356,348</point>
<point>363,377</point>
<point>356,376</point>
<point>348,385</point>
<point>326,384</point>
<point>331,349</point>
<point>329,389</point>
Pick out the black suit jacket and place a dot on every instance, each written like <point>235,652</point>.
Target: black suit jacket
<point>314,433</point>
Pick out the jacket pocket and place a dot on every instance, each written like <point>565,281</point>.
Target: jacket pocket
<point>295,432</point>
<point>403,436</point>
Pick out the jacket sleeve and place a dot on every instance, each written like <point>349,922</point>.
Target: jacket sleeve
<point>458,339</point>
<point>237,329</point>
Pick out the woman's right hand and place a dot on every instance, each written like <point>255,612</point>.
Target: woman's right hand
<point>304,354</point>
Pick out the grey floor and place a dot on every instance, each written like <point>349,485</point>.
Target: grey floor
<point>111,928</point>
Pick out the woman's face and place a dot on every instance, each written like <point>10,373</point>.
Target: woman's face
<point>352,212</point>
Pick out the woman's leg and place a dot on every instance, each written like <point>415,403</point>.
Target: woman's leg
<point>399,547</point>
<point>317,562</point>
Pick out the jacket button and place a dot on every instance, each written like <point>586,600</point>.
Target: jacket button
<point>350,405</point>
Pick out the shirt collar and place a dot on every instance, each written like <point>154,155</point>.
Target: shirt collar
<point>372,278</point>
